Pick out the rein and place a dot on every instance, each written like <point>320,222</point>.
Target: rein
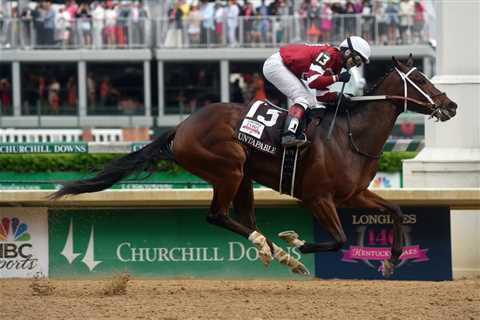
<point>389,97</point>
<point>354,145</point>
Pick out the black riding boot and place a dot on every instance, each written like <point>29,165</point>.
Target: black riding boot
<point>292,133</point>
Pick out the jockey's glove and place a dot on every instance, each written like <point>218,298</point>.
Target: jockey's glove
<point>344,76</point>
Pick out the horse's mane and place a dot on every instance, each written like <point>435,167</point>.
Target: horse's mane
<point>377,83</point>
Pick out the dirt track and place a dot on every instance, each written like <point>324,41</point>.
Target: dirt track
<point>252,300</point>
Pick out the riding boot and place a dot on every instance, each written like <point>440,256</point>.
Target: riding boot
<point>292,132</point>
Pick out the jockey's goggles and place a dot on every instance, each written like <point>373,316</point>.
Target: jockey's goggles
<point>357,59</point>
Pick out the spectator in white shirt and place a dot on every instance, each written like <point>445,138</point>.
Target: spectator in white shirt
<point>98,15</point>
<point>232,22</point>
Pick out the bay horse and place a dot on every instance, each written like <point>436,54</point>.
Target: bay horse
<point>332,172</point>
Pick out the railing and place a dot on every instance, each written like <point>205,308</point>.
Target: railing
<point>455,198</point>
<point>75,34</point>
<point>260,31</point>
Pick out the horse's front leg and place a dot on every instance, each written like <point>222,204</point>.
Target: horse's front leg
<point>326,214</point>
<point>369,200</point>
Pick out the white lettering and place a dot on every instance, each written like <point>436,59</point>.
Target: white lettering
<point>232,256</point>
<point>137,254</point>
<point>163,254</point>
<point>119,248</point>
<point>381,219</point>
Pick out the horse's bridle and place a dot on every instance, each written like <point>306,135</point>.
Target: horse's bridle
<point>404,76</point>
<point>430,104</point>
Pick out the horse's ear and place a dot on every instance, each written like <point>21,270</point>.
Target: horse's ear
<point>396,63</point>
<point>410,61</point>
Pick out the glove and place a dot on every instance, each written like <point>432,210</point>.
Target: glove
<point>344,76</point>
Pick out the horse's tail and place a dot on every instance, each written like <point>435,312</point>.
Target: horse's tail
<point>141,160</point>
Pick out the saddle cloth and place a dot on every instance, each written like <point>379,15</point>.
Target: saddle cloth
<point>261,128</point>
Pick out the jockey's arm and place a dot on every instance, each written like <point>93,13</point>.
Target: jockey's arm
<point>317,79</point>
<point>325,96</point>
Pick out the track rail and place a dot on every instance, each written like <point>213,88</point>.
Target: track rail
<point>455,198</point>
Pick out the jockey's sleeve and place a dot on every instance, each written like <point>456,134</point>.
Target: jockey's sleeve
<point>326,96</point>
<point>317,79</point>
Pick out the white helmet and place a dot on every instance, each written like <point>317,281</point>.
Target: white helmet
<point>358,45</point>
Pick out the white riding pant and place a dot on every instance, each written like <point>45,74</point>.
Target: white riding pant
<point>285,81</point>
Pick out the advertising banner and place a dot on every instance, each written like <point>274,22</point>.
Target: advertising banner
<point>73,147</point>
<point>387,180</point>
<point>426,245</point>
<point>166,243</point>
<point>23,242</point>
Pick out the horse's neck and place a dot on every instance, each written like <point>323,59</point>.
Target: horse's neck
<point>372,124</point>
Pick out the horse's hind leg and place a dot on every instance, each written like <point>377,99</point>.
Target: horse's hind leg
<point>244,208</point>
<point>222,197</point>
<point>243,204</point>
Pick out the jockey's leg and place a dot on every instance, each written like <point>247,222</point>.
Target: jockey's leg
<point>284,80</point>
<point>292,134</point>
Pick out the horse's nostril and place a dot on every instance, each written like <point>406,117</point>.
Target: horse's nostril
<point>452,106</point>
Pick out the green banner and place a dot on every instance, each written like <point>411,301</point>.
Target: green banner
<point>76,147</point>
<point>49,180</point>
<point>165,243</point>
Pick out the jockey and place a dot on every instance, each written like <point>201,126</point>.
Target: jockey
<point>319,65</point>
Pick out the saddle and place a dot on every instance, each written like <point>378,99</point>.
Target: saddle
<point>261,129</point>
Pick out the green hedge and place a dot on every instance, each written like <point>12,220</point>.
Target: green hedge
<point>390,162</point>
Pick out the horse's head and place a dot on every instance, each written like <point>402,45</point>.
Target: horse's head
<point>420,94</point>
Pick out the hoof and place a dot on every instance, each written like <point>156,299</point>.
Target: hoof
<point>265,255</point>
<point>387,268</point>
<point>288,235</point>
<point>261,244</point>
<point>301,270</point>
<point>291,237</point>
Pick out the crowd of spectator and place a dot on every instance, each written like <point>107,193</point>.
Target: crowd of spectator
<point>383,22</point>
<point>97,24</point>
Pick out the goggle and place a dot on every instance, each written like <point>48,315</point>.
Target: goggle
<point>357,60</point>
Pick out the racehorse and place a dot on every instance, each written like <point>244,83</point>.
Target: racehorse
<point>332,172</point>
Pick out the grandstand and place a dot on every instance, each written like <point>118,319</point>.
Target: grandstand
<point>143,79</point>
